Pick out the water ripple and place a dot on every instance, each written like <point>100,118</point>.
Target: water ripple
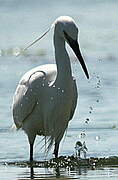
<point>16,51</point>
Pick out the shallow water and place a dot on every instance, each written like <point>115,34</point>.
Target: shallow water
<point>20,173</point>
<point>96,117</point>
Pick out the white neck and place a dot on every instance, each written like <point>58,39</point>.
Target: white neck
<point>62,59</point>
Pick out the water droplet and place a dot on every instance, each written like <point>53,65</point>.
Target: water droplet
<point>97,138</point>
<point>53,86</point>
<point>62,91</point>
<point>43,84</point>
<point>52,98</point>
<point>87,120</point>
<point>21,105</point>
<point>82,134</point>
<point>59,88</point>
<point>37,102</point>
<point>91,108</point>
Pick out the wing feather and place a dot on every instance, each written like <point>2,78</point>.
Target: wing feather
<point>23,104</point>
<point>28,91</point>
<point>25,98</point>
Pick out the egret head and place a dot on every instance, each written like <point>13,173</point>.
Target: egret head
<point>65,24</point>
<point>66,28</point>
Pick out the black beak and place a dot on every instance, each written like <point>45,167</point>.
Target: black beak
<point>75,46</point>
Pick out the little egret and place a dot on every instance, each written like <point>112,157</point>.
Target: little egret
<point>46,96</point>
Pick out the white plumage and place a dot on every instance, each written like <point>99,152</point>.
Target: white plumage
<point>46,96</point>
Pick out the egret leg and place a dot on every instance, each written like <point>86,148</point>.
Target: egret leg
<point>31,152</point>
<point>56,149</point>
<point>32,172</point>
<point>31,142</point>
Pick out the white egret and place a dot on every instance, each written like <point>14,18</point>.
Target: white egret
<point>46,96</point>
